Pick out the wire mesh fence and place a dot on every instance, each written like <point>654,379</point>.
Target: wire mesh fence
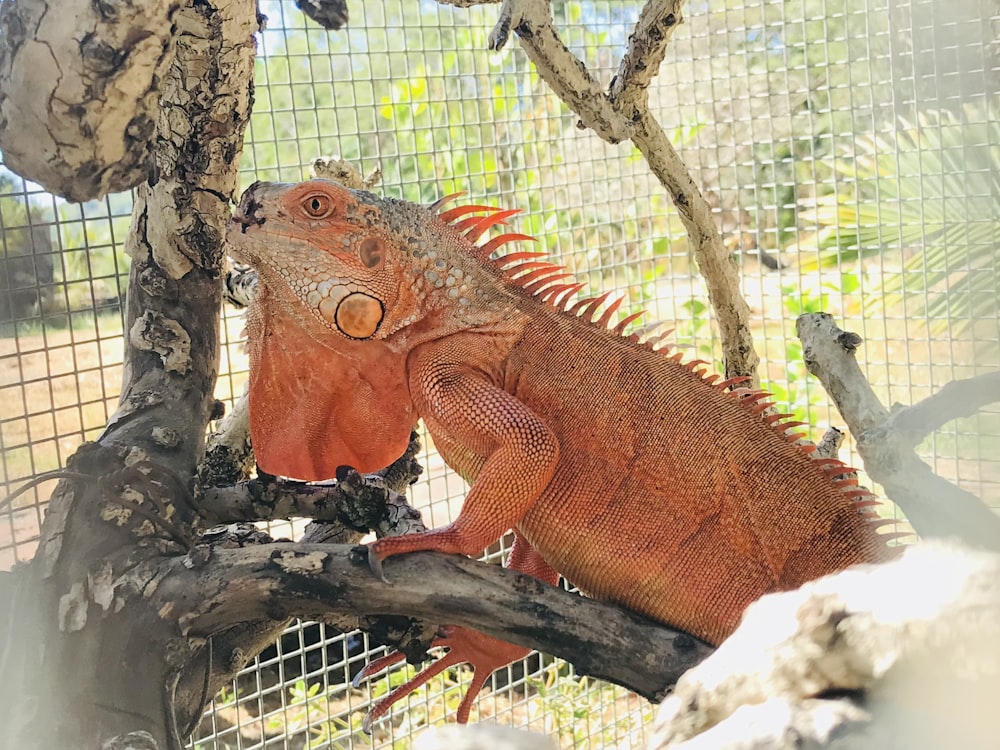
<point>850,151</point>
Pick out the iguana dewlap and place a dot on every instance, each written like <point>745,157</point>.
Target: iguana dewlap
<point>635,476</point>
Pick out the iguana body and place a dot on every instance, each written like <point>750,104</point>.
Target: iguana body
<point>632,474</point>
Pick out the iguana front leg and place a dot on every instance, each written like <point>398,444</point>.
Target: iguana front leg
<point>483,653</point>
<point>487,435</point>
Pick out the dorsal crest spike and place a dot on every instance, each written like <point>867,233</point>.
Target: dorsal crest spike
<point>572,289</point>
<point>589,306</point>
<point>543,282</point>
<point>529,265</point>
<point>541,270</point>
<point>778,418</point>
<point>464,225</point>
<point>549,294</point>
<point>488,248</point>
<point>624,322</point>
<point>436,205</point>
<point>474,231</point>
<point>747,396</point>
<point>457,212</point>
<point>605,320</point>
<point>518,257</point>
<point>730,382</point>
<point>650,328</point>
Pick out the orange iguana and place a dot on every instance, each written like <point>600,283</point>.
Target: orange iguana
<point>636,476</point>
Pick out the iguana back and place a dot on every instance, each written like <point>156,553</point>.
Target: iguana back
<point>673,496</point>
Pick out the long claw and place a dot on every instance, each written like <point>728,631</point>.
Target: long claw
<point>374,667</point>
<point>375,565</point>
<point>484,653</point>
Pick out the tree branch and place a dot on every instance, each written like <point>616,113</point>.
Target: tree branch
<point>623,114</point>
<point>315,581</point>
<point>853,660</point>
<point>647,47</point>
<point>957,399</point>
<point>79,91</point>
<point>330,14</point>
<point>934,506</point>
<point>360,502</point>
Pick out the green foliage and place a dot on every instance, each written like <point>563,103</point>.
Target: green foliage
<point>571,703</point>
<point>26,259</point>
<point>930,190</point>
<point>305,703</point>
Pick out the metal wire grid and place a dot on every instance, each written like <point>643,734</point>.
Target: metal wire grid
<point>762,99</point>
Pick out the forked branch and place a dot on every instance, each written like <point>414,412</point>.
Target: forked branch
<point>934,506</point>
<point>622,113</point>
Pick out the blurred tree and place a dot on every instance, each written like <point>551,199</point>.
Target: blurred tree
<point>26,254</point>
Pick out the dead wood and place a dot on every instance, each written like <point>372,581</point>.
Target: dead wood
<point>316,581</point>
<point>622,114</point>
<point>886,439</point>
<point>902,654</point>
<point>79,89</point>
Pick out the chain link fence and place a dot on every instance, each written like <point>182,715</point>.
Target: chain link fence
<point>851,151</point>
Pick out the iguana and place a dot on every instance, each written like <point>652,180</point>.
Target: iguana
<point>637,476</point>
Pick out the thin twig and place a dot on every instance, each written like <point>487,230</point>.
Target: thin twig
<point>647,47</point>
<point>830,443</point>
<point>44,477</point>
<point>623,114</point>
<point>957,399</point>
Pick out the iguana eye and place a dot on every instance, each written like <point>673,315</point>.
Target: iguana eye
<point>317,205</point>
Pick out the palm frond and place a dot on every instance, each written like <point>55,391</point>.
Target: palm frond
<point>928,191</point>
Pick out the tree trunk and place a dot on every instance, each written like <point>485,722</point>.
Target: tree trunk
<point>84,655</point>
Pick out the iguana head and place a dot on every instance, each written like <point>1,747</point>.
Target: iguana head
<point>349,283</point>
<point>360,266</point>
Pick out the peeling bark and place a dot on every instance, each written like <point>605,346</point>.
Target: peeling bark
<point>79,84</point>
<point>316,581</point>
<point>86,650</point>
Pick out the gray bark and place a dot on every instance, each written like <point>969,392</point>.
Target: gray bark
<point>88,661</point>
<point>79,83</point>
<point>886,440</point>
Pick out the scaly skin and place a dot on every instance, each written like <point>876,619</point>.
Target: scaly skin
<point>631,474</point>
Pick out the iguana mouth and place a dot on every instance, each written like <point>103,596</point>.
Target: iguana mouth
<point>245,213</point>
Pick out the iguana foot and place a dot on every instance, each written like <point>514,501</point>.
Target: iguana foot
<point>483,653</point>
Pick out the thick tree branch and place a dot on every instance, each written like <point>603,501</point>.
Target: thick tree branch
<point>934,506</point>
<point>854,661</point>
<point>79,91</point>
<point>315,581</point>
<point>95,665</point>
